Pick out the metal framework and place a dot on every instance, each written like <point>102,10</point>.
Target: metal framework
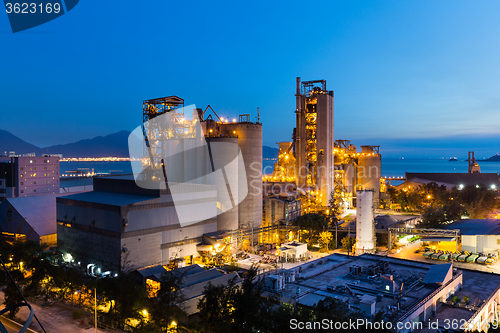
<point>154,136</point>
<point>310,88</point>
<point>422,232</point>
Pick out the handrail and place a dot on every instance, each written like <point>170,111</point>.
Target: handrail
<point>12,307</point>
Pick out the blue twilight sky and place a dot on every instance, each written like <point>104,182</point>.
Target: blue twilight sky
<point>402,71</point>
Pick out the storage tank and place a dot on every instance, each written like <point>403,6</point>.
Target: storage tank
<point>249,136</point>
<point>223,151</point>
<point>365,225</point>
<point>369,166</point>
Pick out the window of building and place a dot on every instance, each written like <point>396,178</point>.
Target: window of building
<point>21,175</point>
<point>22,191</point>
<point>31,161</point>
<point>34,190</point>
<point>22,168</point>
<point>22,183</point>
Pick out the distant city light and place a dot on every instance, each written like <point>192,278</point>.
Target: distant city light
<point>461,186</point>
<point>493,186</point>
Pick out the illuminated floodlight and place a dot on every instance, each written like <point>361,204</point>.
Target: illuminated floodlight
<point>461,186</point>
<point>493,186</point>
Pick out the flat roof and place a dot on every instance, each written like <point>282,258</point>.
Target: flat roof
<point>454,178</point>
<point>108,198</point>
<point>476,226</point>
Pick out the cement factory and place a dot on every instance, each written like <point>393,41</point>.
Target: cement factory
<point>200,198</point>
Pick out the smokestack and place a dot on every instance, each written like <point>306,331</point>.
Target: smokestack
<point>258,115</point>
<point>298,85</point>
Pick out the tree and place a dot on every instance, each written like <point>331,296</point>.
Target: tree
<point>313,223</point>
<point>325,238</point>
<point>348,243</point>
<point>163,307</point>
<point>335,210</point>
<point>217,307</point>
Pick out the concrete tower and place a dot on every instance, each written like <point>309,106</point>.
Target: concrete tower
<point>314,137</point>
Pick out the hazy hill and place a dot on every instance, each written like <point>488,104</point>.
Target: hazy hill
<point>269,152</point>
<point>115,145</point>
<point>10,142</point>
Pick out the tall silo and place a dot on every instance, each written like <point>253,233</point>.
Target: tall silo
<point>223,151</point>
<point>365,225</point>
<point>369,166</point>
<point>249,136</point>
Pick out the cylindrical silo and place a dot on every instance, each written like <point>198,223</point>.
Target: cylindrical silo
<point>250,142</point>
<point>365,225</point>
<point>223,153</point>
<point>369,166</point>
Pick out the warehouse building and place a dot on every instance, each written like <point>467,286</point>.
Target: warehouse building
<point>120,224</point>
<point>478,235</point>
<point>30,218</point>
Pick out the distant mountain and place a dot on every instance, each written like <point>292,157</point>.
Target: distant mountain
<point>10,142</point>
<point>269,152</point>
<point>494,158</point>
<point>115,145</point>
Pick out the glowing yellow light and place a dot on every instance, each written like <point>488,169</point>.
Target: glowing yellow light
<point>211,131</point>
<point>174,323</point>
<point>145,313</point>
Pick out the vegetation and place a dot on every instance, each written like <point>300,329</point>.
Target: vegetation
<point>310,226</point>
<point>122,303</point>
<point>439,205</point>
<point>348,243</point>
<point>325,238</point>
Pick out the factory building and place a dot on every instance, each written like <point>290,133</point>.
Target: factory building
<point>477,235</point>
<point>189,186</point>
<point>401,291</point>
<point>319,165</point>
<point>29,175</point>
<point>313,137</point>
<point>279,210</point>
<point>31,218</point>
<point>359,171</point>
<point>119,223</point>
